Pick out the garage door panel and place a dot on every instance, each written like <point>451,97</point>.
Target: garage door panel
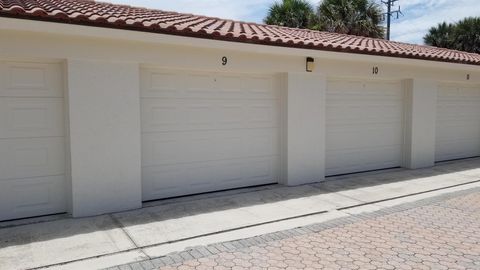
<point>450,111</point>
<point>381,89</point>
<point>363,89</point>
<point>458,92</point>
<point>227,86</point>
<point>210,145</point>
<point>364,125</point>
<point>181,179</point>
<point>360,114</point>
<point>385,124</point>
<point>182,115</point>
<point>31,117</point>
<point>22,158</point>
<point>200,85</point>
<point>260,87</point>
<point>32,196</point>
<point>362,159</point>
<point>160,84</point>
<point>363,111</point>
<point>263,114</point>
<point>169,115</point>
<point>456,149</point>
<point>361,97</point>
<point>453,117</point>
<point>458,131</point>
<point>458,123</point>
<point>364,138</point>
<point>30,80</point>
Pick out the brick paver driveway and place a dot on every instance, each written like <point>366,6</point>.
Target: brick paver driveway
<point>442,234</point>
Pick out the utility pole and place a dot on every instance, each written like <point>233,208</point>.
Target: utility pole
<point>388,15</point>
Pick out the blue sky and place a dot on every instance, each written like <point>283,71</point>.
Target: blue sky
<point>419,15</point>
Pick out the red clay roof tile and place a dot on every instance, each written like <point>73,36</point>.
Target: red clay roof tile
<point>89,12</point>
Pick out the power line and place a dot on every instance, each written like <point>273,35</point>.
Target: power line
<point>390,13</point>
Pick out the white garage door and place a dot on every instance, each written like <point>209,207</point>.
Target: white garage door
<point>203,132</point>
<point>458,122</point>
<point>364,125</point>
<point>32,143</point>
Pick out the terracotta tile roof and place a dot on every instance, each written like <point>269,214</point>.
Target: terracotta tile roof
<point>88,12</point>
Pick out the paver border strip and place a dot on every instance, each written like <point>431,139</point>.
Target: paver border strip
<point>235,245</point>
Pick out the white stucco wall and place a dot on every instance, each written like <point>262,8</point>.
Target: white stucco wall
<point>305,128</point>
<point>421,106</point>
<point>105,136</point>
<point>245,58</point>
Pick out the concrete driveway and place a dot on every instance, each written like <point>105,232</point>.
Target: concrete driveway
<point>439,233</point>
<point>172,225</point>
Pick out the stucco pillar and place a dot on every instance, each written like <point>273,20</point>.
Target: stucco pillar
<point>304,128</point>
<point>421,104</point>
<point>104,127</point>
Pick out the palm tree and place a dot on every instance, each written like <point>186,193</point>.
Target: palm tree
<point>291,13</point>
<point>354,17</point>
<point>440,36</point>
<point>467,35</point>
<point>463,35</point>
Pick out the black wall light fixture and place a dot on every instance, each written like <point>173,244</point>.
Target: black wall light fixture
<point>310,66</point>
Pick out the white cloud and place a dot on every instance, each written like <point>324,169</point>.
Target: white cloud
<point>245,10</point>
<point>236,10</point>
<point>419,15</point>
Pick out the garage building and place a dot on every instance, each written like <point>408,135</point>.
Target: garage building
<point>106,106</point>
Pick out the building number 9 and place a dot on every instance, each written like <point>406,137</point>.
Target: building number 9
<point>224,61</point>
